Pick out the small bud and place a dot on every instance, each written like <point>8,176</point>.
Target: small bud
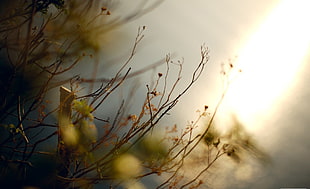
<point>108,13</point>
<point>154,93</point>
<point>103,9</point>
<point>206,107</point>
<point>160,74</point>
<point>216,143</point>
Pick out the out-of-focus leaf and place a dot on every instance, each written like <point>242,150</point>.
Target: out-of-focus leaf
<point>126,166</point>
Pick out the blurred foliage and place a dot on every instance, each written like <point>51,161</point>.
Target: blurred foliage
<point>80,131</point>
<point>241,144</point>
<point>83,109</point>
<point>236,143</point>
<point>126,166</point>
<point>212,137</point>
<point>43,5</point>
<point>152,148</point>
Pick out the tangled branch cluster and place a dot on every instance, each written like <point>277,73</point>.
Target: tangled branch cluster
<point>56,140</point>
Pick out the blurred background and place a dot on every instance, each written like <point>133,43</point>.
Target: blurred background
<point>269,41</point>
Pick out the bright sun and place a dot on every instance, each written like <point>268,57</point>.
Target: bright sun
<point>270,60</point>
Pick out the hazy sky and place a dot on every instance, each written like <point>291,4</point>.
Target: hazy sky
<point>271,96</point>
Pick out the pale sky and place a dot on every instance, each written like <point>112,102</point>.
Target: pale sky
<point>271,39</point>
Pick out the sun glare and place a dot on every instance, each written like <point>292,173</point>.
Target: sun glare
<point>270,61</point>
